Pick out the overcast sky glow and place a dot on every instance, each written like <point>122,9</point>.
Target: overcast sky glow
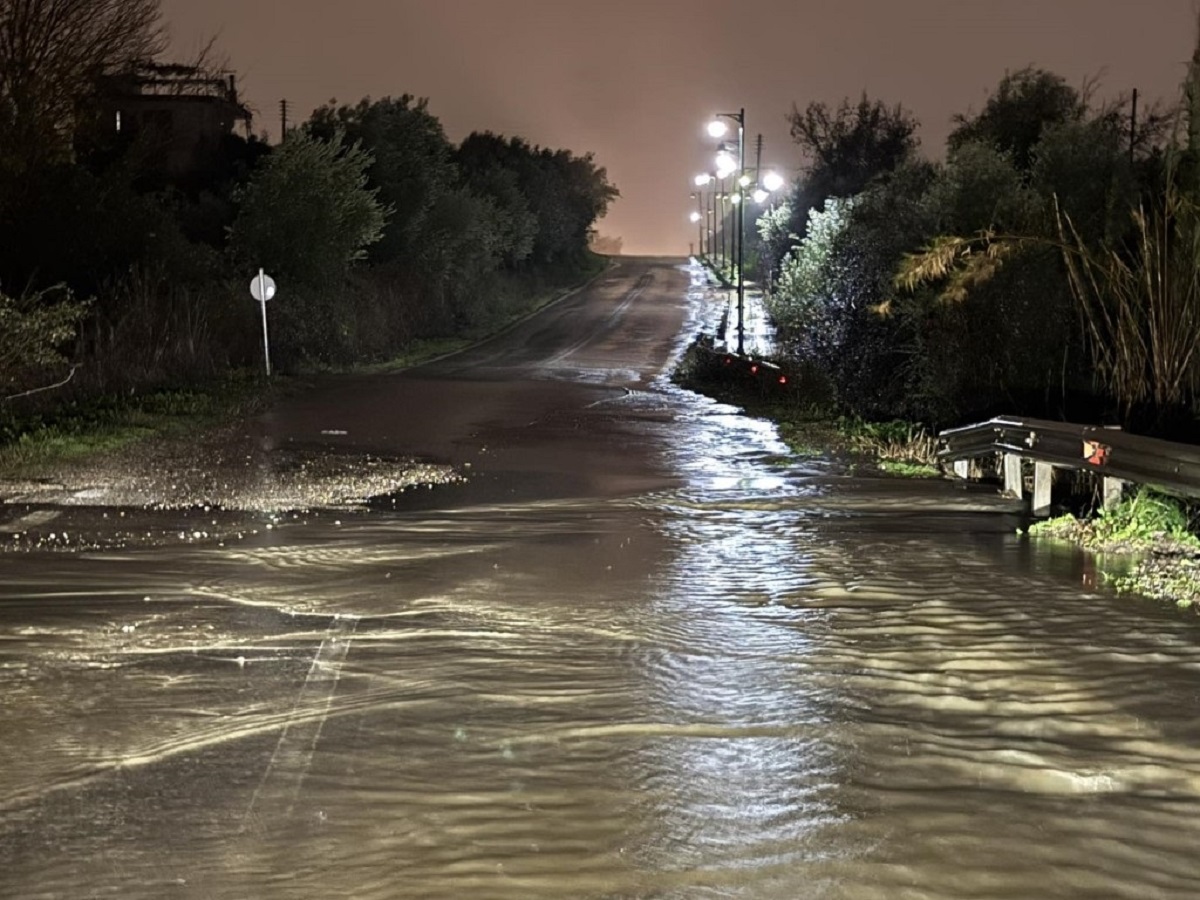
<point>635,81</point>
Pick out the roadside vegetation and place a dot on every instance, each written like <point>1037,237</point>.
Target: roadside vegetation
<point>1150,536</point>
<point>804,410</point>
<point>124,275</point>
<point>97,424</point>
<point>1046,266</point>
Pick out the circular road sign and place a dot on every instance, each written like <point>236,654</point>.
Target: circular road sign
<point>262,288</point>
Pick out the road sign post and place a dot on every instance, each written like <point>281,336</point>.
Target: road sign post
<point>262,289</point>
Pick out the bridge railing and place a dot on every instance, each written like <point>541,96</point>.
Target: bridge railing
<point>1113,455</point>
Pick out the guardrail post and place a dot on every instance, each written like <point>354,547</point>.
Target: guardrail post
<point>1043,476</point>
<point>1014,481</point>
<point>1114,456</point>
<point>1114,489</point>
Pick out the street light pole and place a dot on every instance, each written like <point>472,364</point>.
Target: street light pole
<point>721,217</point>
<point>741,247</point>
<point>764,186</point>
<point>712,224</point>
<point>717,128</point>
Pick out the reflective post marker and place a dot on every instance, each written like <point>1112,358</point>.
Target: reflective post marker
<point>262,289</point>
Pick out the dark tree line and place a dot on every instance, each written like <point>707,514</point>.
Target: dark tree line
<point>983,284</point>
<point>378,229</point>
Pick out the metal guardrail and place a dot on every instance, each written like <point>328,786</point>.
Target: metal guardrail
<point>1115,455</point>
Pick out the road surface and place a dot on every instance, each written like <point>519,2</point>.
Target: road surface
<point>629,648</point>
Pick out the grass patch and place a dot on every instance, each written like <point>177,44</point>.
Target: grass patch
<point>902,448</point>
<point>1169,579</point>
<point>81,428</point>
<point>811,436</point>
<point>1153,528</point>
<point>904,469</point>
<point>1138,524</point>
<point>418,352</point>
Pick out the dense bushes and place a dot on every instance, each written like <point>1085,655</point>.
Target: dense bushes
<point>984,283</point>
<point>378,231</point>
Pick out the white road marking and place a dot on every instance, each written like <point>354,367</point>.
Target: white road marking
<point>275,797</point>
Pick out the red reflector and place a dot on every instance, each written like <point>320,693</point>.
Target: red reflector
<point>728,360</point>
<point>754,370</point>
<point>783,379</point>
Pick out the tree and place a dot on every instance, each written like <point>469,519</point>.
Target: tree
<point>34,328</point>
<point>565,193</point>
<point>1123,284</point>
<point>51,51</point>
<point>411,163</point>
<point>307,213</point>
<point>1013,119</point>
<point>805,292</point>
<point>514,219</point>
<point>851,145</point>
<point>847,148</point>
<point>775,237</point>
<point>979,188</point>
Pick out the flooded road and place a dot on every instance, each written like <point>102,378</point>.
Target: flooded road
<point>637,652</point>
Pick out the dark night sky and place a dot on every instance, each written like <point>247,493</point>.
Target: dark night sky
<point>634,81</point>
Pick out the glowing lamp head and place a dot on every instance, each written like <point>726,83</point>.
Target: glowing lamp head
<point>702,179</point>
<point>695,216</point>
<point>772,181</point>
<point>717,128</point>
<point>760,196</point>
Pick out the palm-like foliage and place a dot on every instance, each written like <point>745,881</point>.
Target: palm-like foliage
<point>1138,293</point>
<point>961,263</point>
<point>1141,303</point>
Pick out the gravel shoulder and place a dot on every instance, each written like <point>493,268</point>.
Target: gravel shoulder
<point>212,484</point>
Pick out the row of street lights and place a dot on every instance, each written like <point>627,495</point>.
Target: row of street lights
<point>726,167</point>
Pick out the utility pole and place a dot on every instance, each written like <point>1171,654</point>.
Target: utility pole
<point>741,232</point>
<point>283,105</point>
<point>1133,127</point>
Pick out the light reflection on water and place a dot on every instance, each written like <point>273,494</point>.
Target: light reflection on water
<point>767,682</point>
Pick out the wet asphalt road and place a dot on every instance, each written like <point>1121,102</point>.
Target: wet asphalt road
<point>626,646</point>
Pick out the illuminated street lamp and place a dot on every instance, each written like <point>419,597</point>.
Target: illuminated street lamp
<point>772,181</point>
<point>726,164</point>
<point>717,129</point>
<point>704,179</point>
<point>760,195</point>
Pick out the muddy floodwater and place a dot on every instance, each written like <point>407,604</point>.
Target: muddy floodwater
<point>638,651</point>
